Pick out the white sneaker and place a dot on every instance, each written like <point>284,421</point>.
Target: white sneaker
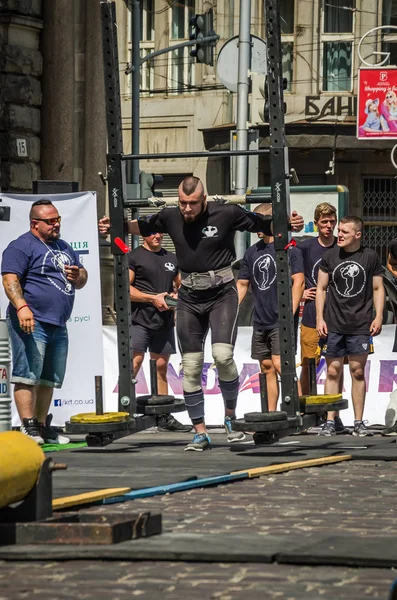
<point>31,428</point>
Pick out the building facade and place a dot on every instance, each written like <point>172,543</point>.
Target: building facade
<point>52,111</point>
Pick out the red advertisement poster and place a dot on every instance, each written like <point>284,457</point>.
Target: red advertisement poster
<point>377,103</point>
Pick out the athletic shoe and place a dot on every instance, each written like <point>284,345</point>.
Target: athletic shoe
<point>339,427</point>
<point>200,442</point>
<point>168,423</point>
<point>328,429</point>
<point>361,430</point>
<point>52,435</point>
<point>31,428</point>
<point>232,436</point>
<point>390,431</point>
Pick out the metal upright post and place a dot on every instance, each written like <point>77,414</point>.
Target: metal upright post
<point>279,181</point>
<point>244,63</point>
<point>133,166</point>
<point>117,197</point>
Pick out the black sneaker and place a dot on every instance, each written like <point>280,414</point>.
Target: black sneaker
<point>339,427</point>
<point>391,431</point>
<point>52,435</point>
<point>361,430</point>
<point>31,428</point>
<point>328,429</point>
<point>168,423</point>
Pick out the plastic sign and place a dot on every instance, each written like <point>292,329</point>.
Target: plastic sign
<point>377,103</point>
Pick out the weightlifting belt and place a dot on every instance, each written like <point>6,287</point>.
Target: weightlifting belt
<point>207,280</point>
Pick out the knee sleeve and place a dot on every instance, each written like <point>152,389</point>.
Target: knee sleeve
<point>194,402</point>
<point>192,363</point>
<point>223,357</point>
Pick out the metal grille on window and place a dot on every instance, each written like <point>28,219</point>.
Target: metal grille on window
<point>380,214</point>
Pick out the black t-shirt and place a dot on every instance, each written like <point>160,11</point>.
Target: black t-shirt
<point>207,243</point>
<point>259,268</point>
<point>154,274</point>
<point>393,249</point>
<point>349,307</point>
<point>312,252</point>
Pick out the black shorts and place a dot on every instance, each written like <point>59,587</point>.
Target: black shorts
<point>194,318</point>
<point>265,344</point>
<point>159,341</point>
<point>340,344</point>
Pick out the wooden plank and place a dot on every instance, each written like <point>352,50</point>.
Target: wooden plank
<point>88,497</point>
<point>299,464</point>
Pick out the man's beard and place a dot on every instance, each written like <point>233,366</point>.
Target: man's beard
<point>55,235</point>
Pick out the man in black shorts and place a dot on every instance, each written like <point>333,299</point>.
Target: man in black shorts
<point>259,271</point>
<point>203,235</point>
<point>352,274</point>
<point>153,276</point>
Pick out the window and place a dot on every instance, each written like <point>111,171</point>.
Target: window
<point>287,23</point>
<point>337,45</point>
<point>181,64</point>
<point>389,39</point>
<point>146,47</point>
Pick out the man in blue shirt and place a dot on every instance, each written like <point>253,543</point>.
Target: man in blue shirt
<point>259,270</point>
<point>40,275</point>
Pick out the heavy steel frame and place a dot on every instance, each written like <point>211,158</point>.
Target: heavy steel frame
<point>279,170</point>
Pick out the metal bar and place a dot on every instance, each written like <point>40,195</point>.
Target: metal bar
<point>116,191</point>
<point>98,395</point>
<point>214,154</point>
<point>209,38</point>
<point>154,389</point>
<point>173,200</point>
<point>133,167</point>
<point>263,392</point>
<point>312,377</point>
<point>279,173</point>
<point>244,60</point>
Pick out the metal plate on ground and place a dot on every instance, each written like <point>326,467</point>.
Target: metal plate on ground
<point>155,400</point>
<point>177,406</point>
<point>82,528</point>
<point>329,406</point>
<point>290,423</point>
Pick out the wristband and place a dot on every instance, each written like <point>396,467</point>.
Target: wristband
<point>21,307</point>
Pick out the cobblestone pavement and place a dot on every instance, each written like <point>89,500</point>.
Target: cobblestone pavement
<point>350,497</point>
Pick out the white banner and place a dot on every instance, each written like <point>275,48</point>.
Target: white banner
<point>85,359</point>
<point>380,373</point>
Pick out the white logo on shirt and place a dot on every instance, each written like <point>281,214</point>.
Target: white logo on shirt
<point>349,278</point>
<point>365,346</point>
<point>264,271</point>
<point>210,231</point>
<point>169,266</point>
<point>56,260</point>
<point>315,271</point>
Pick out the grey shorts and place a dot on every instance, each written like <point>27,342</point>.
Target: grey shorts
<point>159,341</point>
<point>265,344</point>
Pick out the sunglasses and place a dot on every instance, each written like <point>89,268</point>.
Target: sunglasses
<point>52,221</point>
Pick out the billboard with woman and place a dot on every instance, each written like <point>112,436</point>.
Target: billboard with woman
<point>377,103</point>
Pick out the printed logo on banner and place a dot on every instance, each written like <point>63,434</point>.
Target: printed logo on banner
<point>81,249</point>
<point>60,402</point>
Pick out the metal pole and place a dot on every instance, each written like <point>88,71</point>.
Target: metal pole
<point>98,395</point>
<point>154,389</point>
<point>312,377</point>
<point>133,166</point>
<point>244,63</point>
<point>263,392</point>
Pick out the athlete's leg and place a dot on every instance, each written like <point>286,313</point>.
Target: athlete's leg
<point>267,367</point>
<point>332,381</point>
<point>357,368</point>
<point>191,329</point>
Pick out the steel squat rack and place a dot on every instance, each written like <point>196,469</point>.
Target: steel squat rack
<point>296,413</point>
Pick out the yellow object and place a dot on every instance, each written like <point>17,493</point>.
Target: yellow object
<point>322,398</point>
<point>110,417</point>
<point>20,462</point>
<point>299,464</point>
<point>88,497</point>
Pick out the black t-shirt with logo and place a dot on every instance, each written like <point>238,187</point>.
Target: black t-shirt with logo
<point>154,274</point>
<point>260,269</point>
<point>312,252</point>
<point>207,243</point>
<point>349,307</point>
